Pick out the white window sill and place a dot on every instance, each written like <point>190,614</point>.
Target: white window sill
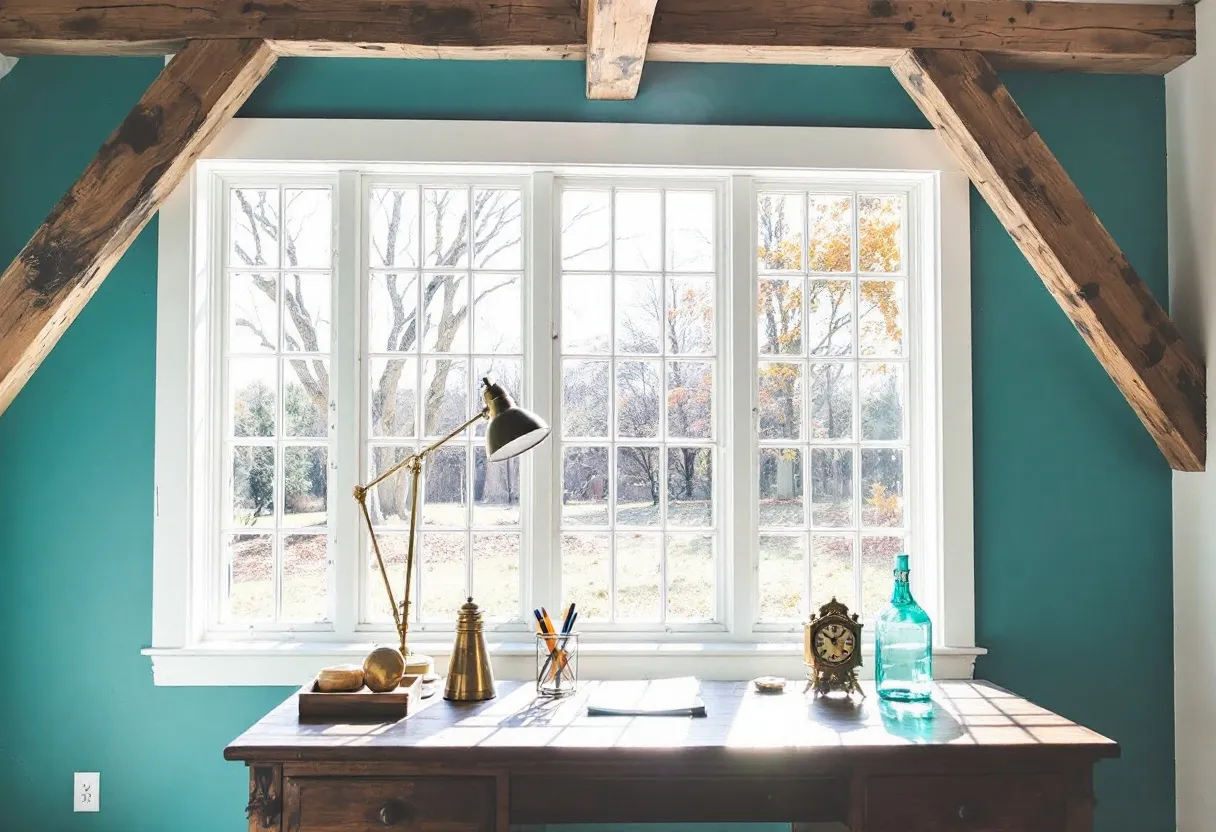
<point>293,663</point>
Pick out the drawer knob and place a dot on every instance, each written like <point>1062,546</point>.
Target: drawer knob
<point>965,812</point>
<point>394,812</point>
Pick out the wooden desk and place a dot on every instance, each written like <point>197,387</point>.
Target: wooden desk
<point>987,761</point>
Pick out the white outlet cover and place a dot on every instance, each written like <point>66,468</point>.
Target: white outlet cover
<point>86,794</point>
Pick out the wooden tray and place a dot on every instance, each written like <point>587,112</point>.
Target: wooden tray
<point>359,705</point>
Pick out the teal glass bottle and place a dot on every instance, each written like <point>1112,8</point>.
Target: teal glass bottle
<point>903,644</point>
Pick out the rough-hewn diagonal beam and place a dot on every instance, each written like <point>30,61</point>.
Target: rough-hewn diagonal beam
<point>1093,37</point>
<point>617,36</point>
<point>58,271</point>
<point>1073,253</point>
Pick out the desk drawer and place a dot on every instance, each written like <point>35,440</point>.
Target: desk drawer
<point>376,804</point>
<point>1013,803</point>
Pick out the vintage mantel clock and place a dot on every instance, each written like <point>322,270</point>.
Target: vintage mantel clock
<point>832,649</point>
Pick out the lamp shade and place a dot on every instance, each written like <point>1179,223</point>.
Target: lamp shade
<point>512,429</point>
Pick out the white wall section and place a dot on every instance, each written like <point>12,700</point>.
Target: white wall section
<point>1191,119</point>
<point>6,64</point>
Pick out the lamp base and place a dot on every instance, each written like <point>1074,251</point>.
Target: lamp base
<point>417,664</point>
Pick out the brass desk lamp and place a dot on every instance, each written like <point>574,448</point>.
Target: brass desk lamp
<point>512,430</point>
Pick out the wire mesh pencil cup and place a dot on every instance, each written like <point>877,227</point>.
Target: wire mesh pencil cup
<point>556,664</point>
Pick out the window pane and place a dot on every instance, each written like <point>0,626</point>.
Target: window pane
<point>878,572</point>
<point>496,575</point>
<point>831,401</point>
<point>638,388</point>
<point>445,317</point>
<point>394,396</point>
<point>690,486</point>
<point>690,578</point>
<point>253,313</point>
<point>250,559</point>
<point>586,313</point>
<point>882,401</point>
<point>393,548</point>
<point>690,231</point>
<point>585,486</point>
<point>445,391</point>
<point>690,316</point>
<point>882,486</point>
<point>830,222</point>
<point>781,502</point>
<point>584,231</point>
<point>392,310</point>
<point>307,322</point>
<point>585,398</point>
<point>782,577</point>
<point>253,486</point>
<point>779,234</point>
<point>393,220</point>
<point>637,486</point>
<point>306,397</point>
<point>498,229</point>
<point>305,486</point>
<point>310,228</point>
<point>389,502</point>
<point>252,383</point>
<point>879,221</point>
<point>305,577</point>
<point>253,227</point>
<point>445,227</point>
<point>445,474</point>
<point>830,317</point>
<point>690,400</point>
<point>831,570</point>
<point>586,574</point>
<point>832,487</point>
<point>639,315</point>
<point>442,576</point>
<point>779,317</point>
<point>881,315</point>
<point>495,490</point>
<point>638,231</point>
<point>496,314</point>
<point>780,400</point>
<point>638,559</point>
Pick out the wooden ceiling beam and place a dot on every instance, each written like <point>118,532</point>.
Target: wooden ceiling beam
<point>618,32</point>
<point>1078,260</point>
<point>70,254</point>
<point>1090,37</point>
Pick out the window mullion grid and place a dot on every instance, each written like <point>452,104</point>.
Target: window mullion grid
<point>470,375</point>
<point>542,469</point>
<point>613,414</point>
<point>736,283</point>
<point>855,255</point>
<point>347,424</point>
<point>664,429</point>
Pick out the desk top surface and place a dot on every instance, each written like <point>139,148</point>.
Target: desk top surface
<point>519,727</point>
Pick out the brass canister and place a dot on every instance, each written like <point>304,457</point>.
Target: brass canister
<point>470,678</point>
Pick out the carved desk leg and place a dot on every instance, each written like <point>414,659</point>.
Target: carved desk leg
<point>265,807</point>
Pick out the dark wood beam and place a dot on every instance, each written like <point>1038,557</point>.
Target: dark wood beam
<point>618,32</point>
<point>1093,37</point>
<point>1078,260</point>
<point>57,272</point>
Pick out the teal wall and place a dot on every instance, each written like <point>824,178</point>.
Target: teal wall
<point>1073,588</point>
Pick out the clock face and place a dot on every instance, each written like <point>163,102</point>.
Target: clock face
<point>834,643</point>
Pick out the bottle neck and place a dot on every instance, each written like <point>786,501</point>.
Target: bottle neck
<point>902,594</point>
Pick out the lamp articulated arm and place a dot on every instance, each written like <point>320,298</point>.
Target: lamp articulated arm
<point>401,613</point>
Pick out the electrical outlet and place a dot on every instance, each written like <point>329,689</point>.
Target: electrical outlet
<point>86,796</point>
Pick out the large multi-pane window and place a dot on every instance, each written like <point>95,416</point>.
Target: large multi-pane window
<point>274,531</point>
<point>639,270</point>
<point>442,287</point>
<point>731,365</point>
<point>832,377</point>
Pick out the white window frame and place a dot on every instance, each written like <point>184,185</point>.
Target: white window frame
<point>186,651</point>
